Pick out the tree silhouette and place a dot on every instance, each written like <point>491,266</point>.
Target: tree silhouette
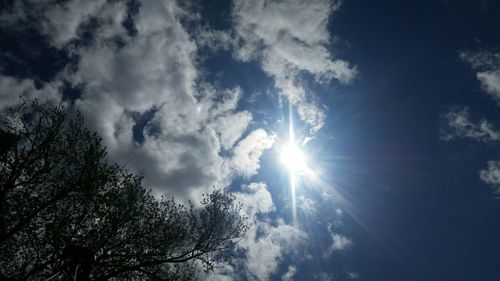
<point>67,214</point>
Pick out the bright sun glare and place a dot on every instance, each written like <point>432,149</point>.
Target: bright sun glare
<point>293,158</point>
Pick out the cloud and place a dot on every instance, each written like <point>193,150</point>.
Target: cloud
<point>490,80</point>
<point>487,65</point>
<point>156,70</point>
<point>248,151</point>
<point>311,115</point>
<point>308,205</point>
<point>11,89</point>
<point>288,38</point>
<point>221,272</point>
<point>266,241</point>
<point>255,199</point>
<point>230,127</point>
<point>323,276</point>
<point>340,242</point>
<point>491,175</point>
<point>145,94</point>
<point>458,124</point>
<point>142,92</point>
<point>64,22</point>
<point>214,39</point>
<point>290,273</point>
<point>353,275</point>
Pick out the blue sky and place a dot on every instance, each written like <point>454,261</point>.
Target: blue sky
<point>394,103</point>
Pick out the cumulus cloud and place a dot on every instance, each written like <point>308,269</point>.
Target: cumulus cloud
<point>12,89</point>
<point>265,246</point>
<point>156,70</point>
<point>288,38</point>
<point>248,151</point>
<point>266,241</point>
<point>63,22</point>
<point>143,93</point>
<point>255,199</point>
<point>458,124</point>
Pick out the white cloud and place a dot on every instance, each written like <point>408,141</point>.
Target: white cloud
<point>221,272</point>
<point>491,175</point>
<point>458,121</point>
<point>11,89</point>
<point>307,205</point>
<point>266,242</point>
<point>60,21</point>
<point>255,199</point>
<point>265,246</point>
<point>231,126</point>
<point>287,38</point>
<point>249,150</point>
<point>490,80</point>
<point>323,276</point>
<point>339,242</point>
<point>192,134</point>
<point>353,275</point>
<point>311,115</point>
<point>214,39</point>
<point>487,65</point>
<point>290,273</point>
<point>186,142</point>
<point>64,19</point>
<point>155,70</point>
<point>480,59</point>
<point>458,124</point>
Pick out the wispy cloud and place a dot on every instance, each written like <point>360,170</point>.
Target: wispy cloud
<point>458,124</point>
<point>339,243</point>
<point>289,274</point>
<point>487,64</point>
<point>457,121</point>
<point>491,175</point>
<point>288,38</point>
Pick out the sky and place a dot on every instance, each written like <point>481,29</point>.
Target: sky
<point>393,104</point>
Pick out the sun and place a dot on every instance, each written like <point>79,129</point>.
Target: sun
<point>293,158</point>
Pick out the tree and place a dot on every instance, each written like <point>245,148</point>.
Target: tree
<point>67,214</point>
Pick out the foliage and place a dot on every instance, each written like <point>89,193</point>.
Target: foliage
<point>66,214</point>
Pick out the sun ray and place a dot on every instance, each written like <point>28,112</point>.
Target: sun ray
<point>296,163</point>
<point>285,156</point>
